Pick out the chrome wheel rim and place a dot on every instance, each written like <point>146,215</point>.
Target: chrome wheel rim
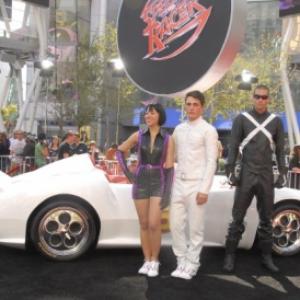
<point>286,232</point>
<point>63,231</point>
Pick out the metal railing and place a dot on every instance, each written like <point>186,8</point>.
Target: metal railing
<point>5,161</point>
<point>12,168</point>
<point>293,180</point>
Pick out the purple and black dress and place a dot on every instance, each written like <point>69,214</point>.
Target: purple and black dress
<point>150,179</point>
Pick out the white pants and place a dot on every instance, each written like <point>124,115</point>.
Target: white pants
<point>187,222</point>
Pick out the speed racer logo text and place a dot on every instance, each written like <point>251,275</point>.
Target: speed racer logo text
<point>168,20</point>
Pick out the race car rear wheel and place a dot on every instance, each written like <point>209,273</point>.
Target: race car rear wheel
<point>286,230</point>
<point>63,230</point>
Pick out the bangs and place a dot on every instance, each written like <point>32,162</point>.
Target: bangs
<point>150,108</point>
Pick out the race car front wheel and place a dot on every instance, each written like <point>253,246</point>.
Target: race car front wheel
<point>286,230</point>
<point>63,230</point>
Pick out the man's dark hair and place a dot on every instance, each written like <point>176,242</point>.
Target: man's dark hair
<point>197,95</point>
<point>261,87</point>
<point>41,136</point>
<point>160,110</point>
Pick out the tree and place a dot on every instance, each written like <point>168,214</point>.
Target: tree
<point>262,59</point>
<point>93,93</point>
<point>9,115</point>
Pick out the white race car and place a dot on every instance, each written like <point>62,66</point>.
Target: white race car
<point>70,206</point>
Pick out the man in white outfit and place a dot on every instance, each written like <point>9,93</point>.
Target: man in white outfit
<point>196,152</point>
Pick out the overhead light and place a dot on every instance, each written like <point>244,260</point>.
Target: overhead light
<point>117,64</point>
<point>246,78</point>
<point>47,64</point>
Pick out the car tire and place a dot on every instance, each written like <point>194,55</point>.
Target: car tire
<point>63,230</point>
<point>286,229</point>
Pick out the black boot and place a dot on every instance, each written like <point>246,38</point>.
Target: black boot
<point>268,263</point>
<point>229,262</point>
<point>266,250</point>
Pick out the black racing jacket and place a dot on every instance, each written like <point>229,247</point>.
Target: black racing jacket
<point>257,154</point>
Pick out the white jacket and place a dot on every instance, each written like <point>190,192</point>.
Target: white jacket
<point>196,152</point>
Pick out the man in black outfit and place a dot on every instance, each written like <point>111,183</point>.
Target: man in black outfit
<point>79,147</point>
<point>255,136</point>
<point>65,149</point>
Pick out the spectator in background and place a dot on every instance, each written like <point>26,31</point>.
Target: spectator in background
<point>53,147</point>
<point>65,149</point>
<point>111,152</point>
<point>220,159</point>
<point>84,137</point>
<point>4,151</point>
<point>94,152</point>
<point>16,148</point>
<point>79,147</point>
<point>294,164</point>
<point>41,151</point>
<point>28,152</point>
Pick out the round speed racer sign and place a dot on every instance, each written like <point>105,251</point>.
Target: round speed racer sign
<point>171,46</point>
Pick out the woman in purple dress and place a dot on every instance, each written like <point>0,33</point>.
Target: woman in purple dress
<point>151,182</point>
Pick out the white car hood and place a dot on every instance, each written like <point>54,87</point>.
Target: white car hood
<point>71,165</point>
<point>4,179</point>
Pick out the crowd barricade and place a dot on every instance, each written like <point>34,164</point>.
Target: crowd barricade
<point>293,180</point>
<point>114,171</point>
<point>28,164</point>
<point>5,163</point>
<point>15,168</point>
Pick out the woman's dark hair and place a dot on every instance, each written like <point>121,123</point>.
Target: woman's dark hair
<point>160,110</point>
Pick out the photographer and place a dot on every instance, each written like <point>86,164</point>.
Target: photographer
<point>41,151</point>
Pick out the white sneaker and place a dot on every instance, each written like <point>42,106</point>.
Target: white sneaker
<point>154,269</point>
<point>185,270</point>
<point>178,270</point>
<point>187,273</point>
<point>145,268</point>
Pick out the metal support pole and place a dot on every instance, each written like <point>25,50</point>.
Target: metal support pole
<point>26,103</point>
<point>294,136</point>
<point>46,107</point>
<point>5,16</point>
<point>118,112</point>
<point>4,92</point>
<point>19,87</point>
<point>35,103</point>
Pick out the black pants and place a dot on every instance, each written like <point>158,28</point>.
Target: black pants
<point>261,186</point>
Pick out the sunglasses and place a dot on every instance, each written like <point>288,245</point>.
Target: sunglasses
<point>264,97</point>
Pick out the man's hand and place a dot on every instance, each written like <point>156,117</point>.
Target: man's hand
<point>201,198</point>
<point>281,181</point>
<point>232,180</point>
<point>229,169</point>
